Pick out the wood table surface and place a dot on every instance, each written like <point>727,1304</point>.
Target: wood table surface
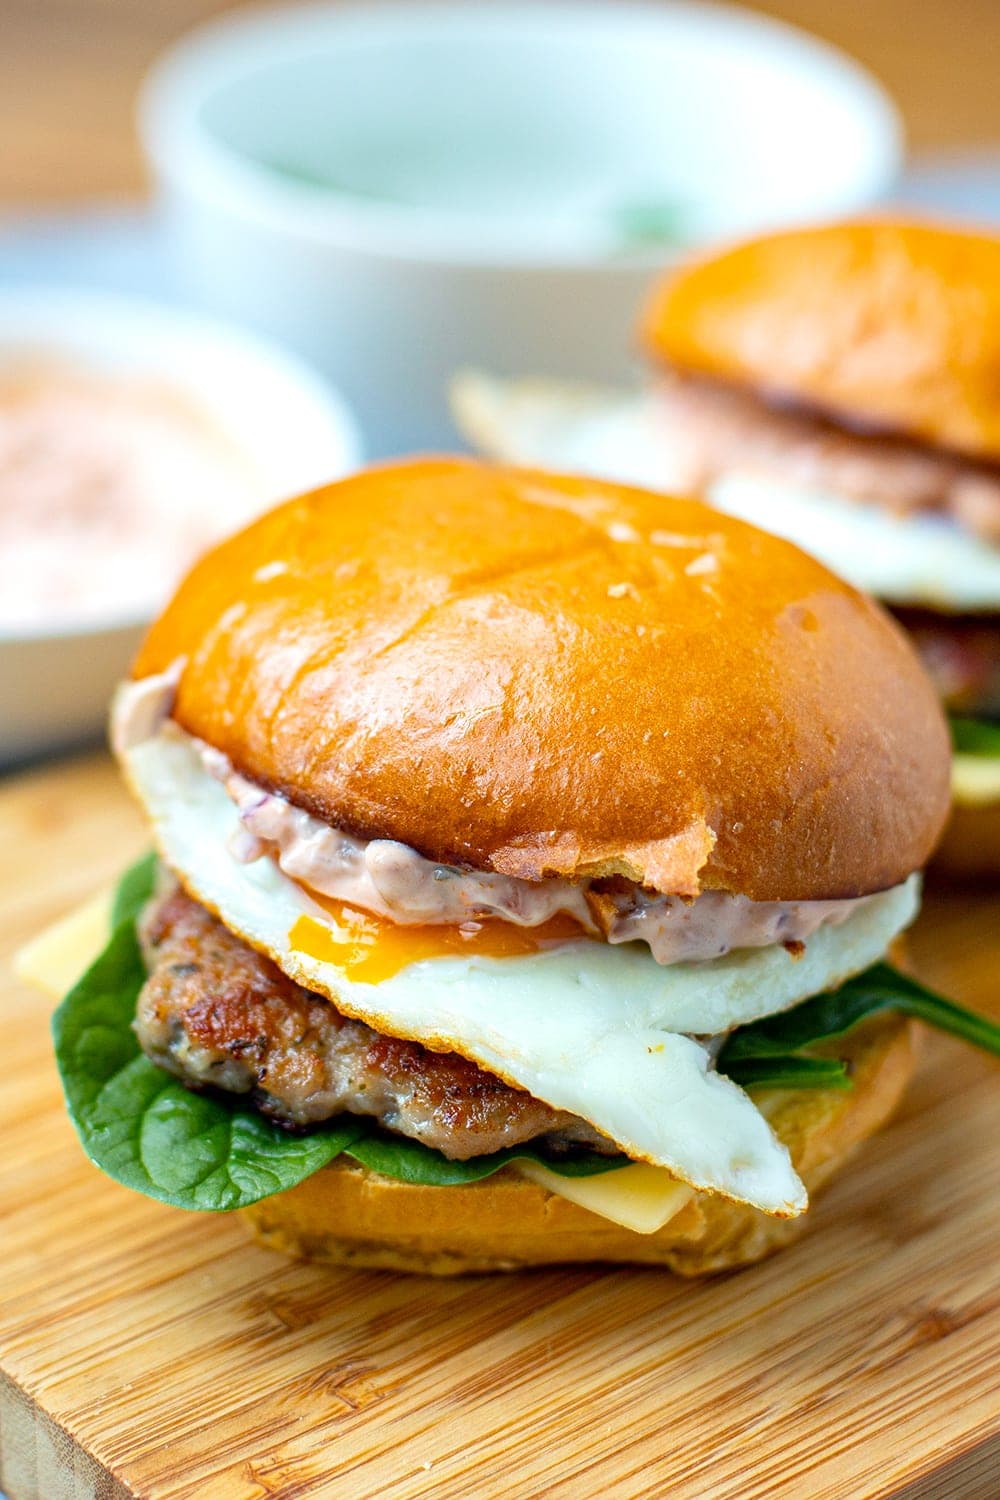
<point>69,70</point>
<point>155,1354</point>
<point>146,1352</point>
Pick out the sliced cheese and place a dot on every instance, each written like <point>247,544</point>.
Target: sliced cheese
<point>55,960</point>
<point>640,1197</point>
<point>975,779</point>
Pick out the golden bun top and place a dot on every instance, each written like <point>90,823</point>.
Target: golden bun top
<point>889,325</point>
<point>544,675</point>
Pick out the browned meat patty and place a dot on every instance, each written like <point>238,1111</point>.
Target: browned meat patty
<point>217,1014</point>
<point>962,655</point>
<point>714,428</point>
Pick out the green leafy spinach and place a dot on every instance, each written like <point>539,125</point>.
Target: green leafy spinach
<point>765,1052</point>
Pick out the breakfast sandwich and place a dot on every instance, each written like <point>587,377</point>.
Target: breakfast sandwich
<point>531,852</point>
<point>837,386</point>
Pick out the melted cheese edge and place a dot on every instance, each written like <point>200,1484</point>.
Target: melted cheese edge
<point>975,779</point>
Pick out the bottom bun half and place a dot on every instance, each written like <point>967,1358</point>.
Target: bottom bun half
<point>348,1216</point>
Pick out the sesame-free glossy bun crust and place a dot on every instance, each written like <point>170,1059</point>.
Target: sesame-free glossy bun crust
<point>546,675</point>
<point>885,324</point>
<point>346,1215</point>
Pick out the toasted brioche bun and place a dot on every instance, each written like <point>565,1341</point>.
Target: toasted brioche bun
<point>542,675</point>
<point>346,1215</point>
<point>970,846</point>
<point>886,325</point>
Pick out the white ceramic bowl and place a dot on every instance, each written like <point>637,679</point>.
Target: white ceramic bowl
<point>399,190</point>
<point>55,682</point>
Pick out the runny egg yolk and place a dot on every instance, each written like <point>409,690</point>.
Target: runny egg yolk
<point>371,949</point>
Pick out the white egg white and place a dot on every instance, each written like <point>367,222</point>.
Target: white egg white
<point>925,559</point>
<point>597,1030</point>
<point>918,560</point>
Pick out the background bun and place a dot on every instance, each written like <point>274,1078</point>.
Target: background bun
<point>345,1215</point>
<point>545,675</point>
<point>894,326</point>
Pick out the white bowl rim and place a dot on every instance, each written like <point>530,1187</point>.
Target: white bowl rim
<point>236,44</point>
<point>33,301</point>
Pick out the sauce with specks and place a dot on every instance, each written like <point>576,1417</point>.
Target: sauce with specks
<point>109,489</point>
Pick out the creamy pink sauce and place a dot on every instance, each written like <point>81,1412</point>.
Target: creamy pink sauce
<point>109,489</point>
<point>717,922</point>
<point>395,881</point>
<point>381,875</point>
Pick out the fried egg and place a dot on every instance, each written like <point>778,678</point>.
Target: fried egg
<point>917,559</point>
<point>603,1032</point>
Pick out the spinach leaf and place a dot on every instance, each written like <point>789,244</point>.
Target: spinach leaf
<point>824,1016</point>
<point>975,736</point>
<point>134,890</point>
<point>789,1072</point>
<point>409,1161</point>
<point>144,1128</point>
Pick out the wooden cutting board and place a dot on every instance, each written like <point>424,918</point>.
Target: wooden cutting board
<point>148,1352</point>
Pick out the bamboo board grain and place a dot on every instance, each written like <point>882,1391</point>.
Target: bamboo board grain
<point>146,1352</point>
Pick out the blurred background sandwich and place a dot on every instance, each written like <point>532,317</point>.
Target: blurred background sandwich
<point>837,386</point>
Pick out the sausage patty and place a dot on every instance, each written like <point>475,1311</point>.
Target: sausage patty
<point>715,428</point>
<point>962,655</point>
<point>215,1013</point>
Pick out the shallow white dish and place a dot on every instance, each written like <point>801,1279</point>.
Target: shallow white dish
<point>55,682</point>
<point>399,190</point>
